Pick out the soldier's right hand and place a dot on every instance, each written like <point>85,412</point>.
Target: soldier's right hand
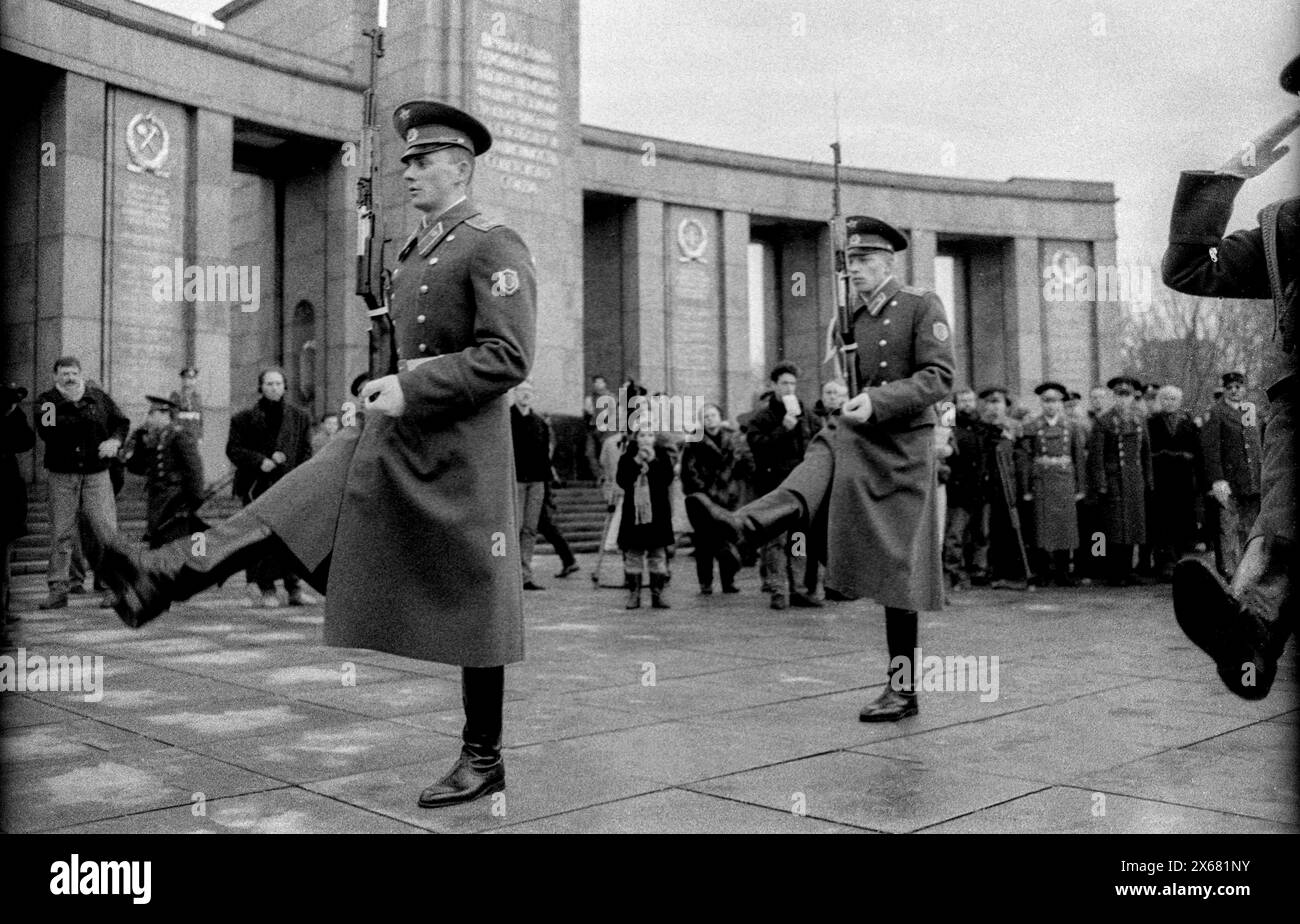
<point>1257,156</point>
<point>268,465</point>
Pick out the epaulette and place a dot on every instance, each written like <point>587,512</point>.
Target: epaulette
<point>913,290</point>
<point>483,223</point>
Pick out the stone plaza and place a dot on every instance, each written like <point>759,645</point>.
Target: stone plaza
<point>718,715</point>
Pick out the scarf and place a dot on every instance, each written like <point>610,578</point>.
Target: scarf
<point>641,497</point>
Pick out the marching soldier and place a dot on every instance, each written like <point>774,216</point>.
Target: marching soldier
<point>1119,476</point>
<point>411,519</point>
<point>1245,626</point>
<point>166,454</point>
<point>1053,479</point>
<point>874,470</point>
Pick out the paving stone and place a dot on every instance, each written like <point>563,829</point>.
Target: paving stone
<point>677,811</point>
<point>868,792</point>
<point>281,811</point>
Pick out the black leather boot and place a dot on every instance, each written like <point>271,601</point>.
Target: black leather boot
<point>898,701</point>
<point>480,770</point>
<point>658,598</point>
<point>633,584</point>
<point>147,581</point>
<point>1244,628</point>
<point>741,533</point>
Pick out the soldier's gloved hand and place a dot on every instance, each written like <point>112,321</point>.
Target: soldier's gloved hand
<point>384,395</point>
<point>278,457</point>
<point>857,409</point>
<point>1266,150</point>
<point>268,465</point>
<point>1221,492</point>
<point>109,447</point>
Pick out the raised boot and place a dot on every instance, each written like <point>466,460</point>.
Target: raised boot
<point>742,533</point>
<point>898,701</point>
<point>480,770</point>
<point>658,598</point>
<point>148,581</point>
<point>633,584</point>
<point>1245,627</point>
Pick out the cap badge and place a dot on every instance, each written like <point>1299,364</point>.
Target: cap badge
<point>505,282</point>
<point>412,134</point>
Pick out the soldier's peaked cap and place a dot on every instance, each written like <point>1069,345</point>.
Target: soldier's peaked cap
<point>1052,386</point>
<point>865,233</point>
<point>426,125</point>
<point>1290,77</point>
<point>1125,381</point>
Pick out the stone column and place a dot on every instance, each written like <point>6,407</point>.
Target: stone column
<point>734,349</point>
<point>1107,321</point>
<point>924,247</point>
<point>1024,329</point>
<point>210,345</point>
<point>645,323</point>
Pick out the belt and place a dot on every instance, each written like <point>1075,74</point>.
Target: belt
<point>188,415</point>
<point>1054,461</point>
<point>406,365</point>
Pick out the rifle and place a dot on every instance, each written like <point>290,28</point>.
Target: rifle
<point>843,298</point>
<point>383,342</point>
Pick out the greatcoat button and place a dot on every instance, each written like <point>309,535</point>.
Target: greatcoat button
<point>883,364</point>
<point>886,320</point>
<point>451,237</point>
<point>423,289</point>
<point>433,260</point>
<point>423,346</point>
<point>420,318</point>
<point>882,343</point>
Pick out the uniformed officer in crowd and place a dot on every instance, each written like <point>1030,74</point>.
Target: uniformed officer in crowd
<point>189,403</point>
<point>1119,477</point>
<point>167,455</point>
<point>1053,480</point>
<point>874,469</point>
<point>1245,626</point>
<point>411,519</point>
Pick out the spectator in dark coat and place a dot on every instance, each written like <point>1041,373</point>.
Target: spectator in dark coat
<point>645,473</point>
<point>1119,477</point>
<point>716,465</point>
<point>778,435</point>
<point>966,479</point>
<point>532,446</point>
<point>1176,467</point>
<point>82,429</point>
<point>16,437</point>
<point>266,442</point>
<point>1232,448</point>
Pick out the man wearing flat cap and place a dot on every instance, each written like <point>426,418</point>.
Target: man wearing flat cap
<point>874,471</point>
<point>411,518</point>
<point>167,455</point>
<point>1232,449</point>
<point>1052,477</point>
<point>1244,626</point>
<point>1119,477</point>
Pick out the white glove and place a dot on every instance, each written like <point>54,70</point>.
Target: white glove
<point>857,409</point>
<point>1221,492</point>
<point>384,395</point>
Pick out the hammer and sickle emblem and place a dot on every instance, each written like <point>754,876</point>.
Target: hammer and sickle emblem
<point>505,282</point>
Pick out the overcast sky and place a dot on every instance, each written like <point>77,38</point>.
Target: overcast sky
<point>1125,91</point>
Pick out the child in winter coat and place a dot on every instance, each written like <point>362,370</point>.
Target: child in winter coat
<point>645,473</point>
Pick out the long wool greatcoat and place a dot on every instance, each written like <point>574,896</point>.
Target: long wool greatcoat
<point>1050,466</point>
<point>1119,474</point>
<point>882,536</point>
<point>418,510</point>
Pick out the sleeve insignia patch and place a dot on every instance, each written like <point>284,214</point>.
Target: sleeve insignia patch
<point>940,331</point>
<point>505,282</point>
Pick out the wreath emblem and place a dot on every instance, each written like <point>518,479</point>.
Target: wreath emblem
<point>147,144</point>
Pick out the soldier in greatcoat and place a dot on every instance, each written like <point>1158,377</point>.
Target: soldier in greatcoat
<point>1245,626</point>
<point>1119,477</point>
<point>1052,479</point>
<point>412,517</point>
<point>874,469</point>
<point>166,453</point>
